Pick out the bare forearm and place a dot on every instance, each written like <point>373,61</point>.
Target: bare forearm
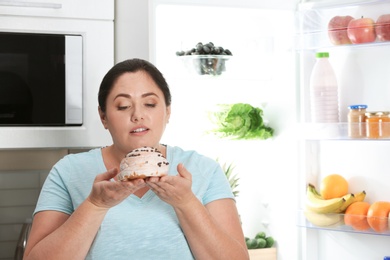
<point>73,239</point>
<point>207,238</point>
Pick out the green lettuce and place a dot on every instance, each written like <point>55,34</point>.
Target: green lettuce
<point>240,121</point>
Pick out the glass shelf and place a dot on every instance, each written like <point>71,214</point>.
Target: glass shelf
<point>340,226</point>
<point>313,19</point>
<point>335,131</point>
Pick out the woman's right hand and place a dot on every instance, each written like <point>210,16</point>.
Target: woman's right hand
<point>107,193</point>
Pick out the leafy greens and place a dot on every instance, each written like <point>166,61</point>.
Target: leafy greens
<point>240,121</point>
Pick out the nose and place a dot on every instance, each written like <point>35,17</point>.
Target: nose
<point>137,114</point>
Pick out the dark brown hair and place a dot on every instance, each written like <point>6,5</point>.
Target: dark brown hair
<point>131,65</point>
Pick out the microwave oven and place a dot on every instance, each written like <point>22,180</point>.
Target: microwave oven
<point>41,79</point>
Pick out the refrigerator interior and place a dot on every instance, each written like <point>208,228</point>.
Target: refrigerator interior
<point>260,72</point>
<point>363,73</point>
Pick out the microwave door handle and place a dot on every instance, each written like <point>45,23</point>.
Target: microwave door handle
<point>30,4</point>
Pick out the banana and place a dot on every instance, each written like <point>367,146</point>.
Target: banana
<point>316,193</point>
<point>323,220</point>
<point>349,199</point>
<point>360,196</point>
<point>315,203</point>
<point>325,213</point>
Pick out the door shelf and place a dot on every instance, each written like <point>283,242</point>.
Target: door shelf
<point>341,226</point>
<point>313,19</point>
<point>319,41</point>
<point>335,131</point>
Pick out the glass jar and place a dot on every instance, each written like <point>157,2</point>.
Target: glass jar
<point>356,121</point>
<point>378,124</point>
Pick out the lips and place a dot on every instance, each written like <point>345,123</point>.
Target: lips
<point>139,130</point>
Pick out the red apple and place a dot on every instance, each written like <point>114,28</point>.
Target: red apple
<point>337,30</point>
<point>382,27</point>
<point>361,30</point>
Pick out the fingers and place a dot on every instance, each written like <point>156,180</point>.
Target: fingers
<point>111,173</point>
<point>138,182</point>
<point>183,172</point>
<point>156,188</point>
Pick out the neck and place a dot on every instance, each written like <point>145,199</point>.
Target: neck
<point>162,149</point>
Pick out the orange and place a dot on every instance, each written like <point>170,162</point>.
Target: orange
<point>333,186</point>
<point>378,215</point>
<point>356,215</point>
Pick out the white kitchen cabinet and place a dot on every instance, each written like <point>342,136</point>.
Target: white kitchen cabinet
<point>86,9</point>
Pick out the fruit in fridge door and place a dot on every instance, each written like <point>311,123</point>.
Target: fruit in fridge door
<point>378,216</point>
<point>316,203</point>
<point>333,186</point>
<point>382,27</point>
<point>356,215</point>
<point>323,220</point>
<point>337,29</point>
<point>361,30</point>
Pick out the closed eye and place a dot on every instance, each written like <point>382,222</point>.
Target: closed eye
<point>123,107</point>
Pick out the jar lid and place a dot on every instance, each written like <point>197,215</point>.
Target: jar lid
<point>378,113</point>
<point>322,54</point>
<point>357,106</point>
<point>383,113</point>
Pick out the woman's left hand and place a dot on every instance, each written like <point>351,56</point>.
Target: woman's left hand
<point>174,190</point>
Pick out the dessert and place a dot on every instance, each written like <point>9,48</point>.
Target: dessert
<point>142,163</point>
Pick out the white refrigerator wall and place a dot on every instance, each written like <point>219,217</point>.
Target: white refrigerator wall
<point>262,73</point>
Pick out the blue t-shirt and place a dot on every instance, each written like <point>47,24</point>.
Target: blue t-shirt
<point>137,228</point>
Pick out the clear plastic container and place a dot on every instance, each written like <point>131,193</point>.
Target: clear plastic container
<point>324,91</point>
<point>356,121</point>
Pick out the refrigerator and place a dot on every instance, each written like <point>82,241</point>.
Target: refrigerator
<point>274,46</point>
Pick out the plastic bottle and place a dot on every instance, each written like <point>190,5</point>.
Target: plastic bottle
<point>324,91</point>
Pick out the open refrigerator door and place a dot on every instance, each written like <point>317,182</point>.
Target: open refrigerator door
<point>362,69</point>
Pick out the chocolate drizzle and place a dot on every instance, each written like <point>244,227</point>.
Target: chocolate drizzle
<point>147,149</point>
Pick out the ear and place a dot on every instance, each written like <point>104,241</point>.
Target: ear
<point>168,113</point>
<point>103,118</point>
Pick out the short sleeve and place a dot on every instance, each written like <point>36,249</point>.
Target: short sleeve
<point>54,194</point>
<point>219,187</point>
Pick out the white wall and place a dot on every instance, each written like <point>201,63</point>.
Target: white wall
<point>131,29</point>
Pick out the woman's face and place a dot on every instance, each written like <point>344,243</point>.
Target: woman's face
<point>136,113</point>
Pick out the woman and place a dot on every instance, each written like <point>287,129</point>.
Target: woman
<point>84,212</point>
